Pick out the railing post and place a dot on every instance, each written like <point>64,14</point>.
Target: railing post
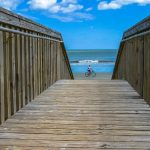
<point>2,104</point>
<point>58,62</point>
<point>13,73</point>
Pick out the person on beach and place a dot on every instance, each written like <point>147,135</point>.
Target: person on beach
<point>90,69</point>
<point>90,72</point>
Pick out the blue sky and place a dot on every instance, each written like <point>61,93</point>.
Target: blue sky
<point>84,24</point>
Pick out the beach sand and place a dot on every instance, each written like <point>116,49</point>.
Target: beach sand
<point>99,76</point>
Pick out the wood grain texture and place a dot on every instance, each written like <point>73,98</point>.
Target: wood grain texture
<point>12,19</point>
<point>13,74</point>
<point>80,115</point>
<point>2,99</point>
<point>28,64</point>
<point>28,67</point>
<point>133,60</point>
<point>7,76</point>
<point>146,72</point>
<point>133,65</point>
<point>140,27</point>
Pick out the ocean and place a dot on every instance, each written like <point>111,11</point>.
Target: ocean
<point>102,61</point>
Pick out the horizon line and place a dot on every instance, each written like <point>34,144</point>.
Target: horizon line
<point>92,49</point>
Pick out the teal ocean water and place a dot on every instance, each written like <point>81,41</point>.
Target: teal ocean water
<point>102,61</point>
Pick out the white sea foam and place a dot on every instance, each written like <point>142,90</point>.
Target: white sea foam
<point>89,61</point>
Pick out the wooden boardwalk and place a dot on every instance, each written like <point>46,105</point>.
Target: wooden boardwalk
<point>80,115</point>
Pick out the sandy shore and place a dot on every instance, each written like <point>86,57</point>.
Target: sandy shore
<point>81,76</point>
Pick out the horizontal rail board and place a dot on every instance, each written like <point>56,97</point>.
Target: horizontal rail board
<point>10,18</point>
<point>140,27</point>
<point>28,34</point>
<point>136,35</point>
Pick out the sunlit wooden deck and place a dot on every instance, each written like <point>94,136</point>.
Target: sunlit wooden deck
<point>85,115</point>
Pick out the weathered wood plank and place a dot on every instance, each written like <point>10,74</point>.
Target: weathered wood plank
<point>38,67</point>
<point>18,72</point>
<point>7,76</point>
<point>81,115</point>
<point>34,68</point>
<point>28,63</point>
<point>58,62</point>
<point>12,73</point>
<point>10,18</point>
<point>146,84</point>
<point>52,60</point>
<point>134,53</point>
<point>27,84</point>
<point>31,47</point>
<point>2,103</point>
<point>23,71</point>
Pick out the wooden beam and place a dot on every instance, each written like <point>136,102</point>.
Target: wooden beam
<point>2,104</point>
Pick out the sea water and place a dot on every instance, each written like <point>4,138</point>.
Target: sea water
<point>102,61</point>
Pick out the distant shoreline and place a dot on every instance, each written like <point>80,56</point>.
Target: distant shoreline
<point>99,61</point>
<point>89,49</point>
<point>99,76</point>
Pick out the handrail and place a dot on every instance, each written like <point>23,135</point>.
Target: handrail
<point>135,36</point>
<point>118,59</point>
<point>67,60</point>
<point>121,48</point>
<point>30,35</point>
<point>8,17</point>
<point>133,59</point>
<point>38,30</point>
<point>139,27</point>
<point>32,58</point>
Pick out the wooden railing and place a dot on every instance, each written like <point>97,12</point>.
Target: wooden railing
<point>133,60</point>
<point>32,57</point>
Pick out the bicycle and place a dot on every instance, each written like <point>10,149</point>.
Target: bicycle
<point>87,74</point>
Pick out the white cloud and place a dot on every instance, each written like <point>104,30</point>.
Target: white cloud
<point>65,6</point>
<point>10,4</point>
<point>112,5</point>
<point>62,18</point>
<point>89,9</point>
<point>55,8</point>
<point>41,4</point>
<point>85,16</point>
<point>72,17</point>
<point>64,10</point>
<point>116,4</point>
<point>71,8</point>
<point>69,1</point>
